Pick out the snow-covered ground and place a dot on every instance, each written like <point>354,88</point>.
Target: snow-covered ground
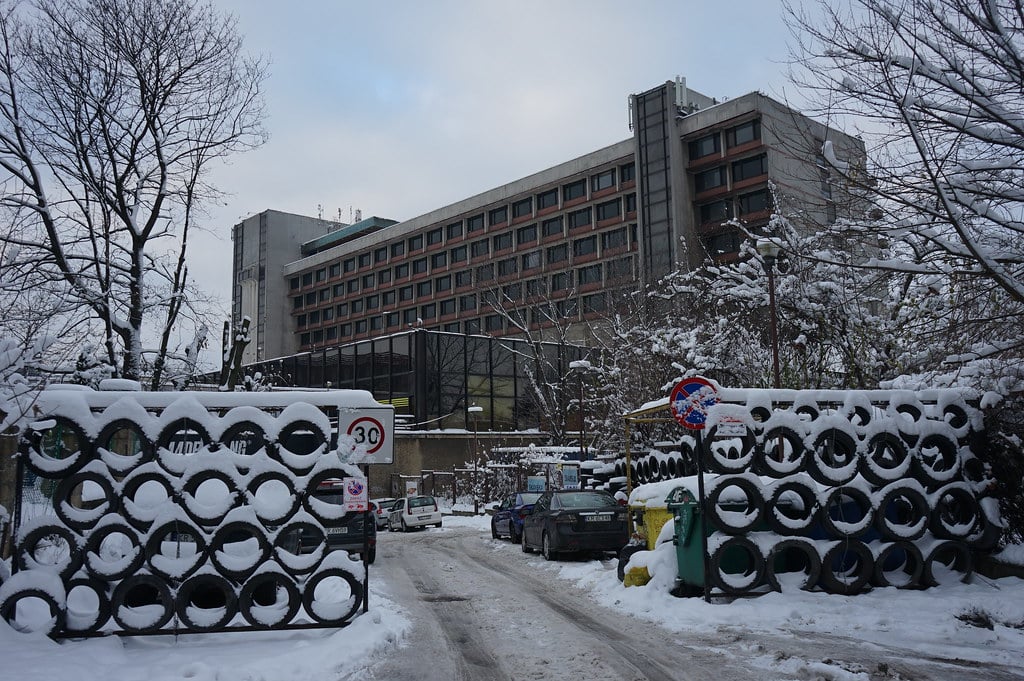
<point>922,621</point>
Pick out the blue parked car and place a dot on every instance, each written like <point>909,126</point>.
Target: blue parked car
<point>507,520</point>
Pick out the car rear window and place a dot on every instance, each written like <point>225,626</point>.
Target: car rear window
<point>585,500</point>
<point>330,497</point>
<point>416,502</point>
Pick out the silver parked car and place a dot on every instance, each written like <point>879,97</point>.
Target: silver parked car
<point>418,511</point>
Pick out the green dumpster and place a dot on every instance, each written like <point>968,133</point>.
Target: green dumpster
<point>737,568</point>
<point>689,547</point>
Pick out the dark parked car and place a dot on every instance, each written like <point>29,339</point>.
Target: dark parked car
<point>507,520</point>
<point>345,534</point>
<point>572,521</point>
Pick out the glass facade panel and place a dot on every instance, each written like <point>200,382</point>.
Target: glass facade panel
<point>433,376</point>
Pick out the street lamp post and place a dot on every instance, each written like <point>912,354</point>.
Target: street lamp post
<point>474,412</point>
<point>769,251</point>
<point>580,367</point>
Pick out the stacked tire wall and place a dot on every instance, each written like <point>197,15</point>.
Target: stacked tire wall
<point>182,519</point>
<point>840,494</point>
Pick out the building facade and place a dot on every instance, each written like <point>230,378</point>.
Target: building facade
<point>262,245</point>
<point>559,246</point>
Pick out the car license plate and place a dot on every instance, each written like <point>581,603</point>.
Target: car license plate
<point>337,530</point>
<point>423,517</point>
<point>597,517</point>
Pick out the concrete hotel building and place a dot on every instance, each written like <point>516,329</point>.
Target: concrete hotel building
<point>562,242</point>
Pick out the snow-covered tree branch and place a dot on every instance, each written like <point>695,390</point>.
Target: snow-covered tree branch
<point>111,113</point>
<point>936,88</point>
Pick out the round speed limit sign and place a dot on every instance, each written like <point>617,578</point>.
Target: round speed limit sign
<point>368,432</point>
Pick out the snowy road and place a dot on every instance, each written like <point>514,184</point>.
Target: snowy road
<point>482,610</point>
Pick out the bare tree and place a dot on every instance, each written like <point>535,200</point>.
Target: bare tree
<point>111,114</point>
<point>936,88</point>
<point>549,324</point>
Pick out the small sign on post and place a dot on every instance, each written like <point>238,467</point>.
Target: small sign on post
<point>354,495</point>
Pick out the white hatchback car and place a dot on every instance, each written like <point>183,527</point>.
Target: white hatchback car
<point>418,511</point>
<point>380,509</point>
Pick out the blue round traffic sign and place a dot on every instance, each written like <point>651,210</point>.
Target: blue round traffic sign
<point>690,400</point>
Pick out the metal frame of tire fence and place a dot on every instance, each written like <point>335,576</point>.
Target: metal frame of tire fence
<point>171,513</point>
<point>835,490</point>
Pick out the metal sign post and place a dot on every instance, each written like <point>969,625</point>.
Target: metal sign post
<point>367,518</point>
<point>689,402</point>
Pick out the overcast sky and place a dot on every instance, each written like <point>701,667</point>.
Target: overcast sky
<point>400,107</point>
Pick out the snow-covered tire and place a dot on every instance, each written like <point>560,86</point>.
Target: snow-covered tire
<point>140,517</point>
<point>781,452</point>
<point>77,623</point>
<point>261,586</point>
<point>846,567</point>
<point>787,553</point>
<point>833,459</point>
<point>296,563</point>
<point>195,510</point>
<point>728,521</point>
<point>222,560</point>
<point>264,477</point>
<point>198,588</point>
<point>780,514</point>
<point>946,562</point>
<point>178,426</point>
<point>956,513</point>
<point>902,512</point>
<point>898,564</point>
<point>160,565</point>
<point>81,519</point>
<point>30,545</point>
<point>937,459</point>
<point>116,570</point>
<point>300,462</point>
<point>341,615</point>
<point>50,467</point>
<point>887,459</point>
<point>839,503</point>
<point>729,455</point>
<point>752,574</point>
<point>123,464</point>
<point>14,591</point>
<point>141,590</point>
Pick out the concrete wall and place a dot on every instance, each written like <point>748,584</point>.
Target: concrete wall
<point>441,451</point>
<point>273,333</point>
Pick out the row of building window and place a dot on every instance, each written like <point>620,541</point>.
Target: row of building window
<point>736,136</point>
<point>738,206</point>
<point>524,237</point>
<point>612,271</point>
<point>495,217</point>
<point>589,304</point>
<point>609,241</point>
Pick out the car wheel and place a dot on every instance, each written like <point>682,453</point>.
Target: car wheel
<point>494,530</point>
<point>371,555</point>
<point>438,524</point>
<point>405,528</point>
<point>546,548</point>
<point>526,548</point>
<point>513,536</point>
